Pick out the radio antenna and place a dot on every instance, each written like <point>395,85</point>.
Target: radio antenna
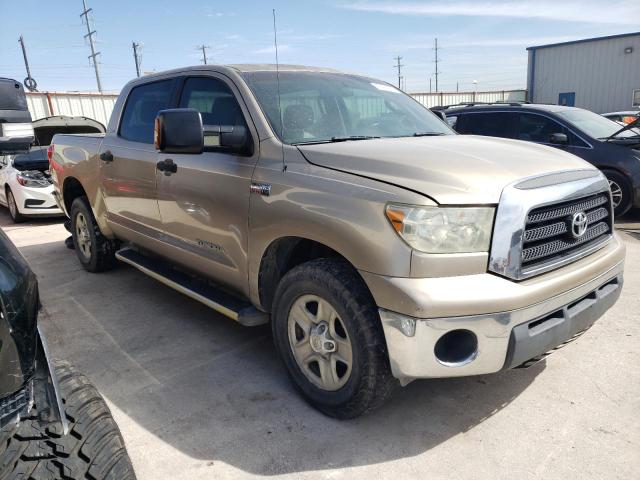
<point>275,42</point>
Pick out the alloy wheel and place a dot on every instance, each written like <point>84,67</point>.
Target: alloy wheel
<point>616,193</point>
<point>83,239</point>
<point>320,342</point>
<point>11,202</point>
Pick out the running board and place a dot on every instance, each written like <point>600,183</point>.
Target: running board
<point>228,305</point>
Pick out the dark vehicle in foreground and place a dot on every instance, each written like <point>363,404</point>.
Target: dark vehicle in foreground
<point>598,140</point>
<point>16,131</point>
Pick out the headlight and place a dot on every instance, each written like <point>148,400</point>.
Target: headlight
<point>443,229</point>
<point>33,179</point>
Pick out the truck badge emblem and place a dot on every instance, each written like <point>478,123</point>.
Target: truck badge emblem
<point>578,224</point>
<point>261,188</point>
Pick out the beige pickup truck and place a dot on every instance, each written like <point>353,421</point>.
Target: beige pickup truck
<point>381,246</point>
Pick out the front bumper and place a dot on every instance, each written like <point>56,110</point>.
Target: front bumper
<point>537,315</point>
<point>37,202</point>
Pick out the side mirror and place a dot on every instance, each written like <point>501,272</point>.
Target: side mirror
<point>558,139</point>
<point>179,130</point>
<point>440,114</point>
<point>228,138</point>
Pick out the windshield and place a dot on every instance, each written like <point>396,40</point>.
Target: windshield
<point>324,107</point>
<point>595,125</point>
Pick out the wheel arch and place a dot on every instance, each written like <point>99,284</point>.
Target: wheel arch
<point>285,253</point>
<point>71,189</point>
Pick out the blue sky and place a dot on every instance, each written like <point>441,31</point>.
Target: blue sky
<point>483,40</point>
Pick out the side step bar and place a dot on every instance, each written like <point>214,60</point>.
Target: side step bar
<point>228,305</point>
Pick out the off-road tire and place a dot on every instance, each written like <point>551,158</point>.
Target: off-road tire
<point>17,217</point>
<point>93,449</point>
<point>625,187</point>
<point>103,250</point>
<point>370,382</point>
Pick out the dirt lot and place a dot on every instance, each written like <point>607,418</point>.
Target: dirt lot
<point>197,396</point>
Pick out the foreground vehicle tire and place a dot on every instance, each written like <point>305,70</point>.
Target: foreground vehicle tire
<point>93,449</point>
<point>327,330</point>
<point>16,216</point>
<point>620,191</point>
<point>95,252</point>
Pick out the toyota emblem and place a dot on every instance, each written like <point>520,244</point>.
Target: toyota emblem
<point>578,224</point>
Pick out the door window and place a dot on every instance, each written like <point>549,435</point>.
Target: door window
<point>492,124</point>
<point>214,100</point>
<point>538,128</point>
<point>141,109</point>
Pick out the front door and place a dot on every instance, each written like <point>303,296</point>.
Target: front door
<point>128,164</point>
<point>204,205</point>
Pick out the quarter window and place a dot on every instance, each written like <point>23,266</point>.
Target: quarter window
<point>142,107</point>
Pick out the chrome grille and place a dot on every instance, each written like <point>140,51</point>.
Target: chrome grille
<point>547,236</point>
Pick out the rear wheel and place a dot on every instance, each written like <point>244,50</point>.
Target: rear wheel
<point>327,330</point>
<point>621,192</point>
<point>95,252</point>
<point>93,448</point>
<point>16,216</point>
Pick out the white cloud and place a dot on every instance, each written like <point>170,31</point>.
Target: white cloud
<point>272,50</point>
<point>622,12</point>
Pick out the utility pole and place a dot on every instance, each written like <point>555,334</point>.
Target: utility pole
<point>204,52</point>
<point>436,62</point>
<point>457,87</point>
<point>90,34</point>
<point>399,67</point>
<point>429,84</point>
<point>29,82</point>
<point>136,57</point>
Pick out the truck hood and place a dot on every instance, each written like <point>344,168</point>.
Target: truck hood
<point>450,169</point>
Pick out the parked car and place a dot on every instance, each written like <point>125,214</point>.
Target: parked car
<point>16,131</point>
<point>381,246</point>
<point>623,117</point>
<point>590,136</point>
<point>25,182</point>
<point>53,422</point>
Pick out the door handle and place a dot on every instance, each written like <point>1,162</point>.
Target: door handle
<point>106,156</point>
<point>167,166</point>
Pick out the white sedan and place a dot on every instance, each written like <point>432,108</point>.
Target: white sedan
<point>26,185</point>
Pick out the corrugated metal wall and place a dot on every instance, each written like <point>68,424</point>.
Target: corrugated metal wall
<point>600,73</point>
<point>441,99</point>
<point>95,106</point>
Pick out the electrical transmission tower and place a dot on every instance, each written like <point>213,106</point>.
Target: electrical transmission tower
<point>90,34</point>
<point>436,61</point>
<point>136,56</point>
<point>399,67</point>
<point>204,52</point>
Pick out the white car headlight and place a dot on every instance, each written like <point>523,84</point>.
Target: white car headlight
<point>33,179</point>
<point>443,229</point>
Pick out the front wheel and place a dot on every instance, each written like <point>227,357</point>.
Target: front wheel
<point>621,192</point>
<point>327,330</point>
<point>16,216</point>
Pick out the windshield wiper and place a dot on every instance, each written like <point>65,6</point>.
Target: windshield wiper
<point>428,134</point>
<point>352,137</point>
<point>628,126</point>
<point>336,139</point>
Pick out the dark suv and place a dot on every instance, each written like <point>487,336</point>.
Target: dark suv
<point>586,134</point>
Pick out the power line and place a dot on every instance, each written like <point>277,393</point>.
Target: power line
<point>90,34</point>
<point>204,52</point>
<point>436,61</point>
<point>136,57</point>
<point>399,67</point>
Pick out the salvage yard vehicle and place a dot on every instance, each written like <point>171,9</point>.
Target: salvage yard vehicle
<point>382,246</point>
<point>16,131</point>
<point>615,150</point>
<point>624,117</point>
<point>25,182</point>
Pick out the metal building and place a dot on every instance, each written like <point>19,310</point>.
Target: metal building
<point>599,74</point>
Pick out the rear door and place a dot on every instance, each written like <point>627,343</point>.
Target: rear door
<point>128,164</point>
<point>204,205</point>
<point>491,124</point>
